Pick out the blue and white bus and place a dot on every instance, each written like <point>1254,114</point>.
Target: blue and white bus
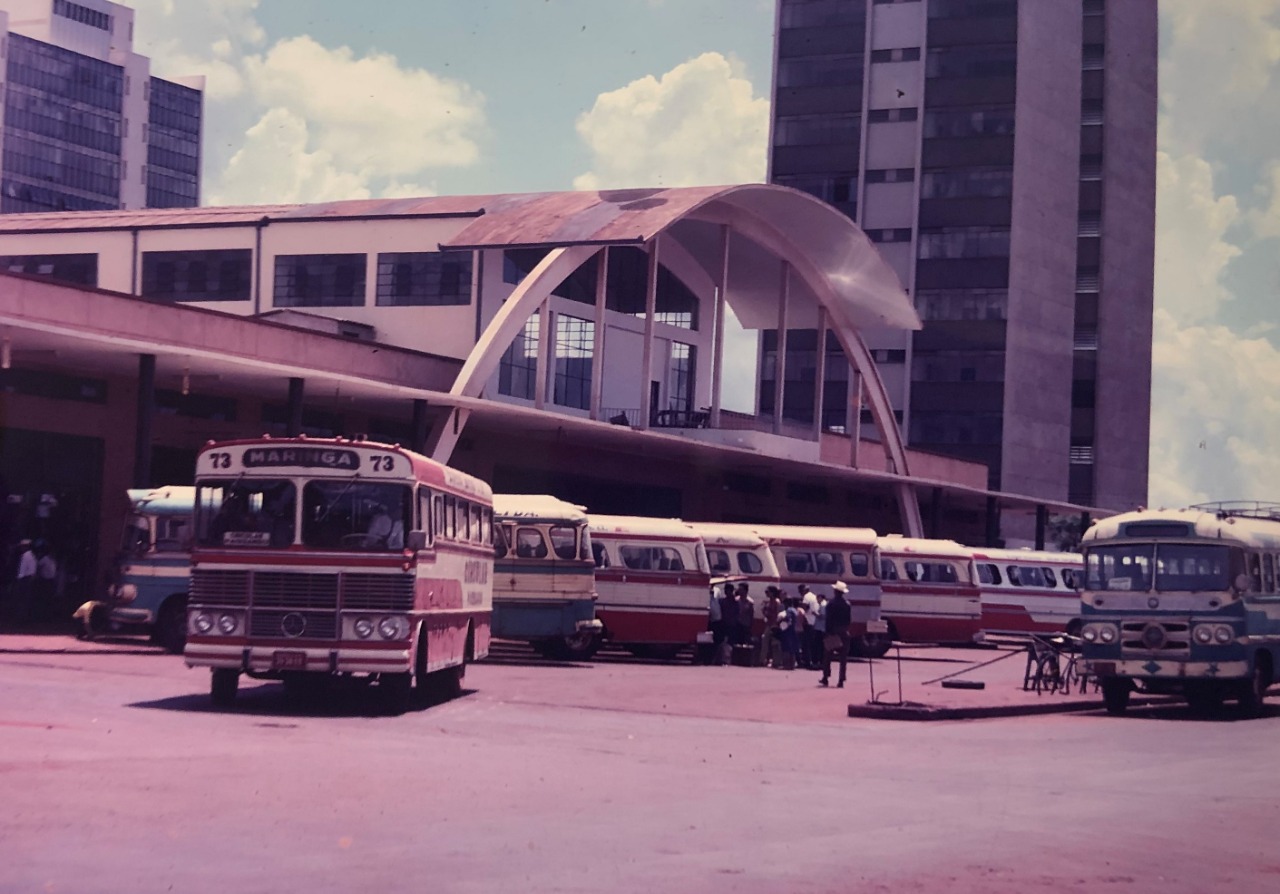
<point>543,576</point>
<point>1185,602</point>
<point>148,590</point>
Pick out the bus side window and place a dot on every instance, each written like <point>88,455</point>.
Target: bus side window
<point>1050,580</point>
<point>988,573</point>
<point>800,563</point>
<point>718,559</point>
<point>1015,575</point>
<point>859,564</point>
<point>500,535</point>
<point>671,560</point>
<point>437,516</point>
<point>1255,573</point>
<point>947,573</point>
<point>749,563</point>
<point>1268,573</point>
<point>888,571</point>
<point>830,564</point>
<point>599,554</point>
<point>636,558</point>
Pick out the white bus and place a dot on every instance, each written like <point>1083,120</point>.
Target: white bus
<point>1028,591</point>
<point>738,553</point>
<point>317,558</point>
<point>928,591</point>
<point>543,576</point>
<point>652,583</point>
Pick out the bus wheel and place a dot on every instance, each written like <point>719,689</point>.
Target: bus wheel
<point>225,683</point>
<point>1115,694</point>
<point>1254,689</point>
<point>578,647</point>
<point>171,627</point>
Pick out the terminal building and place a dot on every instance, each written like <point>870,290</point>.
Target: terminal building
<point>84,124</point>
<point>1001,156</point>
<point>564,343</point>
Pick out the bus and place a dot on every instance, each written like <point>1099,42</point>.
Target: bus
<point>819,556</point>
<point>737,553</point>
<point>1184,602</point>
<point>147,593</point>
<point>653,583</point>
<point>927,591</point>
<point>316,559</point>
<point>1028,591</point>
<point>544,576</point>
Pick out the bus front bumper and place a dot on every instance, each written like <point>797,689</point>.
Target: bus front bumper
<point>268,660</point>
<point>1150,668</point>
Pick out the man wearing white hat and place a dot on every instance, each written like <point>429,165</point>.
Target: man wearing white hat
<point>836,640</point>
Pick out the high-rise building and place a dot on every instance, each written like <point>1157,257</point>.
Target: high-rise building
<point>1002,156</point>
<point>84,124</point>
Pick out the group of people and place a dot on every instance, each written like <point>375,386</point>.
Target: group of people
<point>33,593</point>
<point>806,630</point>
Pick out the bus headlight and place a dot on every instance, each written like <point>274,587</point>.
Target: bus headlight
<point>126,592</point>
<point>1107,633</point>
<point>203,622</point>
<point>393,627</point>
<point>1203,634</point>
<point>1089,633</point>
<point>363,628</point>
<point>228,624</point>
<point>1223,634</point>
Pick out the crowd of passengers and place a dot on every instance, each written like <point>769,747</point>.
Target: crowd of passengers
<point>806,631</point>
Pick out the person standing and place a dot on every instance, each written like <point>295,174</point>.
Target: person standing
<point>24,583</point>
<point>809,607</point>
<point>746,615</point>
<point>769,610</point>
<point>728,624</point>
<point>818,629</point>
<point>836,640</point>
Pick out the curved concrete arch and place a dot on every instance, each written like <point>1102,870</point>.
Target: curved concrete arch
<point>509,322</point>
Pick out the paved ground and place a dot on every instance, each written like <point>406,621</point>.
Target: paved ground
<point>618,775</point>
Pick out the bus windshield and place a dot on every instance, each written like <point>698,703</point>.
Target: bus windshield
<point>365,515</point>
<point>245,512</point>
<point>1178,567</point>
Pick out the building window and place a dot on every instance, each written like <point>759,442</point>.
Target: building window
<point>518,368</point>
<point>320,280</point>
<point>813,130</point>
<point>958,366</point>
<point>820,71</point>
<point>963,183</point>
<point>172,171</point>
<point>838,190</point>
<point>80,270</point>
<point>423,279</point>
<point>964,242</point>
<point>999,60</point>
<point>575,345</point>
<point>83,14</point>
<point>910,113</point>
<point>902,54</point>
<point>973,9</point>
<point>892,175</point>
<point>889,355</point>
<point>1093,56</point>
<point>962,304</point>
<point>680,383</point>
<point>901,234</point>
<point>220,275</point>
<point>969,122</point>
<point>821,14</point>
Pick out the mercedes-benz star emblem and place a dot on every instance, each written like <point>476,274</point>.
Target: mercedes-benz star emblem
<point>293,624</point>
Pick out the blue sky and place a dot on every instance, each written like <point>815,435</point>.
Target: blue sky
<point>310,100</point>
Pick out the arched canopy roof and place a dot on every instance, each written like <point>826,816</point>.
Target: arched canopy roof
<point>790,224</point>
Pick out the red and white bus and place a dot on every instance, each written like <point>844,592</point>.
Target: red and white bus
<point>738,553</point>
<point>317,558</point>
<point>819,556</point>
<point>928,591</point>
<point>653,584</point>
<point>1028,591</point>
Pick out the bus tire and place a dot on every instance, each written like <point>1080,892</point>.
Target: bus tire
<point>870,645</point>
<point>577,647</point>
<point>1115,694</point>
<point>224,683</point>
<point>397,692</point>
<point>1203,698</point>
<point>170,631</point>
<point>1253,691</point>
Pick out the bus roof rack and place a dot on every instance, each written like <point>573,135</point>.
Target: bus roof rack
<point>1241,509</point>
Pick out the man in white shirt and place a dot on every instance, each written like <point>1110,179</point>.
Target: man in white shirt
<point>24,583</point>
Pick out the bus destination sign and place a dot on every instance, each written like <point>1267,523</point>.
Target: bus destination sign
<point>309,457</point>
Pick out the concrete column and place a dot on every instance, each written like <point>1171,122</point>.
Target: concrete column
<point>820,373</point>
<point>146,416</point>
<point>780,358</point>
<point>420,427</point>
<point>854,425</point>
<point>293,427</point>
<point>717,347</point>
<point>650,310</point>
<point>1042,521</point>
<point>544,368</point>
<point>993,523</point>
<point>597,347</point>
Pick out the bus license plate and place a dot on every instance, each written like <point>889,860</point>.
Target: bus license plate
<point>877,627</point>
<point>288,661</point>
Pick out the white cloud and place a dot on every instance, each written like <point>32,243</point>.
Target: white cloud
<point>698,124</point>
<point>1265,220</point>
<point>1192,250</point>
<point>1217,415</point>
<point>209,39</point>
<point>1223,73</point>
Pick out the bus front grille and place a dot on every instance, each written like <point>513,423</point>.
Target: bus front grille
<point>300,625</point>
<point>209,587</point>
<point>297,590</point>
<point>377,592</point>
